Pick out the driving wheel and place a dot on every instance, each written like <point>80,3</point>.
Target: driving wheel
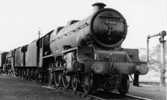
<point>57,79</point>
<point>75,82</point>
<point>66,79</point>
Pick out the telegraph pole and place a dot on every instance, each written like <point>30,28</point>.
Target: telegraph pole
<point>162,65</point>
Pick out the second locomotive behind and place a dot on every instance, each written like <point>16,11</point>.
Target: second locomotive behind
<point>84,55</point>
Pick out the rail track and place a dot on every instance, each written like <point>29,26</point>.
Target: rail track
<point>100,95</point>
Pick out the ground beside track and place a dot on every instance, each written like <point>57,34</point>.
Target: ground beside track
<point>17,89</point>
<point>153,92</point>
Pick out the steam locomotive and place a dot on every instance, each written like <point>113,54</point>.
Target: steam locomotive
<point>84,55</point>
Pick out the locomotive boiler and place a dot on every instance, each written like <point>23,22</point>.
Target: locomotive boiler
<point>84,55</point>
<point>106,28</point>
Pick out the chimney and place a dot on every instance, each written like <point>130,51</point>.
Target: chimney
<point>98,6</point>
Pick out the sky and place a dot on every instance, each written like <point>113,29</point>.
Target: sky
<point>20,20</point>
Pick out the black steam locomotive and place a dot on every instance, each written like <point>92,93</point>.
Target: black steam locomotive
<point>84,55</point>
